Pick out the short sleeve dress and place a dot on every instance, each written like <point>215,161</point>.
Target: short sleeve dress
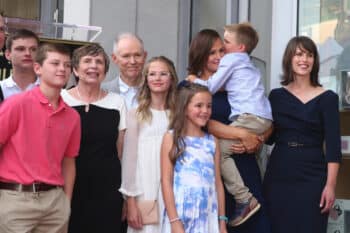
<point>297,170</point>
<point>194,187</point>
<point>96,205</point>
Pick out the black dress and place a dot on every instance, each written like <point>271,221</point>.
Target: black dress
<point>297,171</point>
<point>97,203</point>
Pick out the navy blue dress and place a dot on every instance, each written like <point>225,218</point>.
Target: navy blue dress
<point>250,173</point>
<point>297,170</point>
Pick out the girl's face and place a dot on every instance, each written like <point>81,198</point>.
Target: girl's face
<point>198,110</point>
<point>302,62</point>
<point>91,69</point>
<point>158,77</point>
<point>216,53</point>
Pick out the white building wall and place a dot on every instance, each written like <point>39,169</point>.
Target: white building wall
<point>70,16</point>
<point>261,18</point>
<point>284,27</point>
<point>155,21</point>
<point>164,25</point>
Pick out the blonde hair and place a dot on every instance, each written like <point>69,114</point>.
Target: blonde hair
<point>178,123</point>
<point>245,34</point>
<point>144,97</point>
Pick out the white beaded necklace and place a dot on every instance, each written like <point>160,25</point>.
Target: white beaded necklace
<point>87,103</point>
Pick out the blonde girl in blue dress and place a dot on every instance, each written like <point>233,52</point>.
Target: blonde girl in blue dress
<point>190,173</point>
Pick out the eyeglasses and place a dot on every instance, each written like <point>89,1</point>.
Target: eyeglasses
<point>162,74</point>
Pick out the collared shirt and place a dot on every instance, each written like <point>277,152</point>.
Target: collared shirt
<point>118,86</point>
<point>35,138</point>
<point>129,94</point>
<point>9,87</point>
<point>242,81</point>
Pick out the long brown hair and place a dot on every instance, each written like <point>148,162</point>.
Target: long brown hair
<point>178,123</point>
<point>144,97</point>
<point>200,49</point>
<point>303,43</point>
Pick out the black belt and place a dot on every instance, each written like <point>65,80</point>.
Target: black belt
<point>294,144</point>
<point>35,187</point>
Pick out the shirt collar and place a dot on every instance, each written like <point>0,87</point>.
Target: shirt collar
<point>9,82</point>
<point>123,87</point>
<point>42,99</point>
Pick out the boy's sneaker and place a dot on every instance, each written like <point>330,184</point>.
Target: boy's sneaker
<point>244,211</point>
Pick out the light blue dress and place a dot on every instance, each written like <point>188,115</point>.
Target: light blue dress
<point>194,187</point>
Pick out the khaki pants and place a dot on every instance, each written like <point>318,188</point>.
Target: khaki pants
<point>232,179</point>
<point>28,212</point>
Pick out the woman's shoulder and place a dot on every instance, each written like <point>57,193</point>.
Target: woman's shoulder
<point>329,94</point>
<point>276,92</point>
<point>329,97</point>
<point>69,99</point>
<point>113,101</point>
<point>114,96</point>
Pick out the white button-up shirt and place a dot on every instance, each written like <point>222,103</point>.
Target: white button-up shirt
<point>9,87</point>
<point>129,94</point>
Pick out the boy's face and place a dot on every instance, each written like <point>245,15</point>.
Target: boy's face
<point>55,70</point>
<point>231,44</point>
<point>22,53</point>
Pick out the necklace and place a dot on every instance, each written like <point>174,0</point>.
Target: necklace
<point>87,103</point>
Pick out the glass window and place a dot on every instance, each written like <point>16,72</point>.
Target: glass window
<point>327,22</point>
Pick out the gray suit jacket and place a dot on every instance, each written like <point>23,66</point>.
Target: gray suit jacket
<point>112,85</point>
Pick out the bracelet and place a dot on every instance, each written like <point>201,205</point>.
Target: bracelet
<point>223,218</point>
<point>174,220</point>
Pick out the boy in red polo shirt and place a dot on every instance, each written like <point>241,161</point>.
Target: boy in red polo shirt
<point>39,140</point>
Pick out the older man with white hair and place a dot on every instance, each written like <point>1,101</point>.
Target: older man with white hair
<point>129,55</point>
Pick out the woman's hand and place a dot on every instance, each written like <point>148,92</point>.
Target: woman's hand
<point>133,214</point>
<point>238,148</point>
<point>327,198</point>
<point>251,141</point>
<point>177,227</point>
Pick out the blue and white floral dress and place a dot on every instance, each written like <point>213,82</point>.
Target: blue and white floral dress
<point>194,187</point>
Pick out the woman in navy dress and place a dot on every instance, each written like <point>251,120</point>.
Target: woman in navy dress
<point>206,50</point>
<point>301,175</point>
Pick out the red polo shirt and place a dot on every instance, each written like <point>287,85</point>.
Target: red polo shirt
<point>35,138</point>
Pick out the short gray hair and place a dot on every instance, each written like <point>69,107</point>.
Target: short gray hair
<point>126,35</point>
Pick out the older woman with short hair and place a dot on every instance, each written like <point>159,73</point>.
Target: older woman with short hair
<point>96,203</point>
